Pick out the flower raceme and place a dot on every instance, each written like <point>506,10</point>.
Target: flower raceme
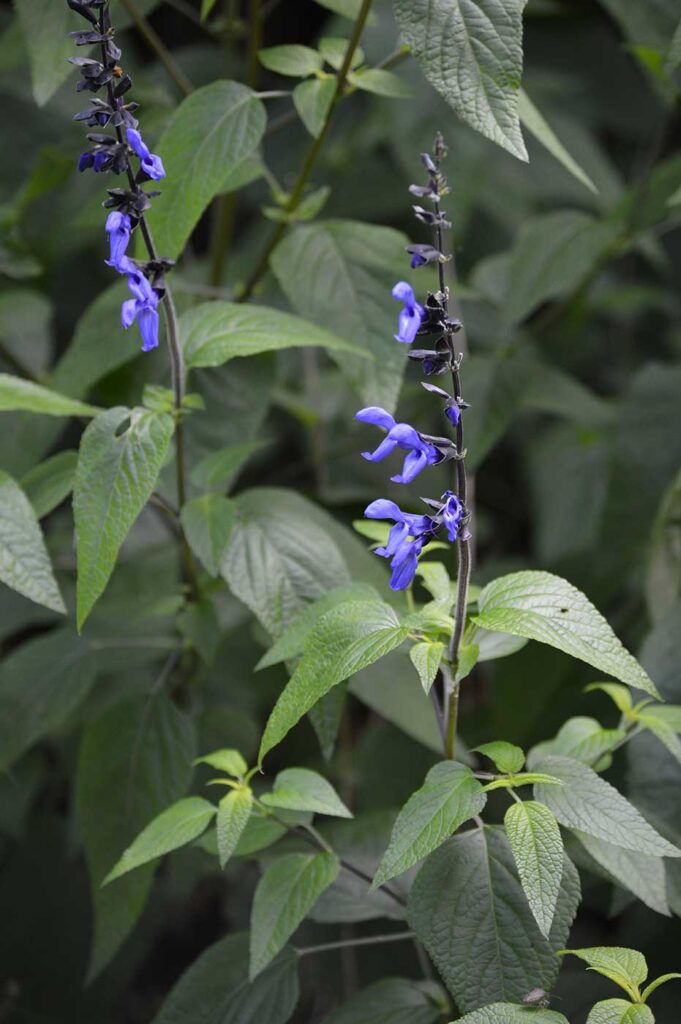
<point>142,308</point>
<point>399,435</point>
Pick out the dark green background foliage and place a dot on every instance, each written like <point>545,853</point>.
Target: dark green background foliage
<point>566,274</point>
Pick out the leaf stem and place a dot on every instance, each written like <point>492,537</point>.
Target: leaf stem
<point>368,940</point>
<point>158,46</point>
<point>312,154</point>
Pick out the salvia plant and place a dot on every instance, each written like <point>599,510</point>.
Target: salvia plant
<point>268,759</point>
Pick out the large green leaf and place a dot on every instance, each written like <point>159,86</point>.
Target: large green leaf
<point>587,802</point>
<point>24,562</point>
<point>216,989</point>
<point>345,640</point>
<point>278,558</point>
<point>544,607</point>
<point>134,760</point>
<point>205,143</point>
<point>120,458</point>
<point>286,892</point>
<point>17,393</point>
<point>41,685</point>
<point>510,1013</point>
<point>389,1001</point>
<point>216,332</point>
<point>449,796</point>
<point>45,25</point>
<point>338,273</point>
<point>534,837</point>
<point>643,875</point>
<point>468,908</point>
<point>471,52</point>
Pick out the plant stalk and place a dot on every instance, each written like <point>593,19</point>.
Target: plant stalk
<point>158,46</point>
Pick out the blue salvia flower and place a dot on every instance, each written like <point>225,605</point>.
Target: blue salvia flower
<point>412,314</point>
<point>405,540</point>
<point>452,515</point>
<point>151,164</point>
<point>119,229</point>
<point>399,435</point>
<point>143,307</point>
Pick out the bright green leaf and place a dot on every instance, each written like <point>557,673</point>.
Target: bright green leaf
<point>292,59</point>
<point>228,761</point>
<point>618,694</point>
<point>19,394</point>
<point>312,100</point>
<point>619,1011</point>
<point>511,1013</point>
<point>24,562</point>
<point>626,967</point>
<point>583,739</point>
<point>506,756</point>
<point>234,810</point>
<point>535,839</point>
<point>380,82</point>
<point>664,733</point>
<point>299,789</point>
<point>426,658</point>
<point>662,980</point>
<point>207,522</point>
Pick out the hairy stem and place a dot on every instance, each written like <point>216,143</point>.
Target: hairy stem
<point>158,46</point>
<point>312,154</point>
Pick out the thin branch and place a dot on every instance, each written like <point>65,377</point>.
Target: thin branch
<point>158,46</point>
<point>369,940</point>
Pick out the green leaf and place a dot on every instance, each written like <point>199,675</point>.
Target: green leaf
<point>589,803</point>
<point>273,565</point>
<point>449,796</point>
<point>50,482</point>
<point>436,580</point>
<point>333,49</point>
<point>297,61</point>
<point>426,658</point>
<point>389,1001</point>
<point>331,272</point>
<point>380,82</point>
<point>135,759</point>
<point>619,1011</point>
<point>121,455</point>
<point>345,640</point>
<point>522,779</point>
<point>662,980</point>
<point>207,522</point>
<point>670,714</point>
<point>472,54</point>
<point>626,967</point>
<point>205,143</point>
<point>292,642</point>
<point>215,332</point>
<point>24,562</point>
<point>234,810</point>
<point>285,894</point>
<point>45,26</point>
<point>229,761</point>
<point>664,733</point>
<point>506,756</point>
<point>618,694</point>
<point>582,739</point>
<point>510,1013</point>
<point>468,908</point>
<point>41,684</point>
<point>534,838</point>
<point>535,123</point>
<point>17,393</point>
<point>299,789</point>
<point>178,825</point>
<point>544,607</point>
<point>312,100</point>
<point>218,469</point>
<point>216,988</point>
<point>640,874</point>
<point>663,581</point>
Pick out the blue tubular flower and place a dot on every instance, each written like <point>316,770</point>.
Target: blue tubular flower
<point>412,314</point>
<point>118,227</point>
<point>151,164</point>
<point>452,514</point>
<point>405,540</point>
<point>143,307</point>
<point>400,435</point>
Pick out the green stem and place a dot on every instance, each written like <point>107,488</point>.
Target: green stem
<point>369,940</point>
<point>158,46</point>
<point>312,154</point>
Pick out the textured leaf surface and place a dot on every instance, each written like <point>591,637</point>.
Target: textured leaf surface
<point>234,811</point>
<point>24,562</point>
<point>207,522</point>
<point>544,607</point>
<point>626,966</point>
<point>135,759</point>
<point>534,838</point>
<point>285,893</point>
<point>216,332</point>
<point>299,789</point>
<point>426,658</point>
<point>227,760</point>
<point>338,273</point>
<point>506,756</point>
<point>389,1001</point>
<point>178,825</point>
<point>216,988</point>
<point>206,142</point>
<point>620,1011</point>
<point>41,685</point>
<point>468,908</point>
<point>17,393</point>
<point>471,52</point>
<point>449,796</point>
<point>344,641</point>
<point>120,458</point>
<point>642,875</point>
<point>510,1013</point>
<point>273,564</point>
<point>589,803</point>
<point>583,739</point>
